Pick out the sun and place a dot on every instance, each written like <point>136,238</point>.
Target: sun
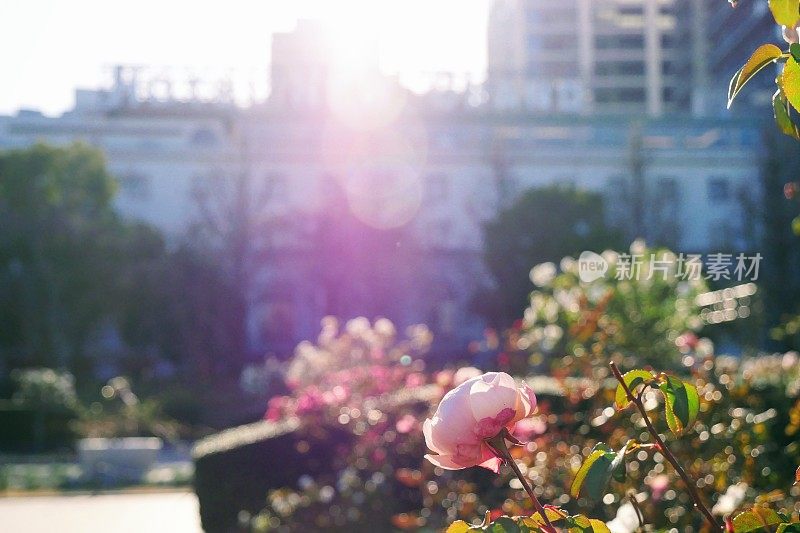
<point>353,29</point>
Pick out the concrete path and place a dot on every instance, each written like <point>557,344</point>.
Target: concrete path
<point>169,512</point>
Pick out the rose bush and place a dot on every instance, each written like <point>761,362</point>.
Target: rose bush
<point>574,328</point>
<point>740,447</point>
<point>745,437</point>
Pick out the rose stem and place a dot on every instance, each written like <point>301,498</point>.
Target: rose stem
<point>498,444</point>
<point>690,485</point>
<point>635,503</point>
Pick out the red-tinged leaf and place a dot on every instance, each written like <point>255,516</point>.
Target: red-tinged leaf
<point>755,520</point>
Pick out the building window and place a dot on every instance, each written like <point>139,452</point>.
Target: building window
<point>276,186</point>
<point>204,137</point>
<point>721,235</point>
<point>557,42</point>
<point>610,42</point>
<point>668,189</point>
<point>718,189</point>
<point>627,68</point>
<point>631,10</point>
<point>438,232</point>
<point>622,95</point>
<point>277,319</point>
<point>539,67</point>
<point>438,188</point>
<point>135,186</point>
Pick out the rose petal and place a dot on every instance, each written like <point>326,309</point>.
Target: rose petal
<point>526,403</point>
<point>492,393</point>
<point>489,460</point>
<point>430,442</point>
<point>453,422</point>
<point>444,461</point>
<point>492,464</point>
<point>489,427</point>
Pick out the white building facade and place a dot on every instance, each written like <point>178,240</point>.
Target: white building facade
<point>384,216</point>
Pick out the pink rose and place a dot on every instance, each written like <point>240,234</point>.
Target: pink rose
<point>405,424</point>
<point>658,486</point>
<point>477,410</point>
<point>415,380</point>
<point>444,378</point>
<point>309,401</point>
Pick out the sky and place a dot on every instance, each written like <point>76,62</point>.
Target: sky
<point>50,47</point>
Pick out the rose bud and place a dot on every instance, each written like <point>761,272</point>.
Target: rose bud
<point>477,410</point>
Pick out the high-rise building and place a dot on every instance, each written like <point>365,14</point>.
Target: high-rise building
<point>717,39</point>
<point>587,56</point>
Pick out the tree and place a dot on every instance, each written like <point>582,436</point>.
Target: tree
<point>57,229</point>
<point>544,224</point>
<point>71,268</point>
<point>179,305</point>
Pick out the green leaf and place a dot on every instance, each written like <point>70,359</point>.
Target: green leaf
<point>789,82</point>
<point>763,56</point>
<point>582,524</point>
<point>598,526</point>
<point>756,519</point>
<point>794,49</point>
<point>632,379</point>
<point>788,528</point>
<point>618,470</point>
<point>786,12</point>
<point>782,117</point>
<point>503,524</point>
<point>596,471</point>
<point>682,404</point>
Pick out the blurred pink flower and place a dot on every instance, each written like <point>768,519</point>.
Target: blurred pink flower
<point>378,455</point>
<point>473,412</point>
<point>415,380</point>
<point>336,395</point>
<point>310,400</point>
<point>444,378</point>
<point>276,407</point>
<point>528,428</point>
<point>686,342</point>
<point>406,424</point>
<point>658,486</point>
